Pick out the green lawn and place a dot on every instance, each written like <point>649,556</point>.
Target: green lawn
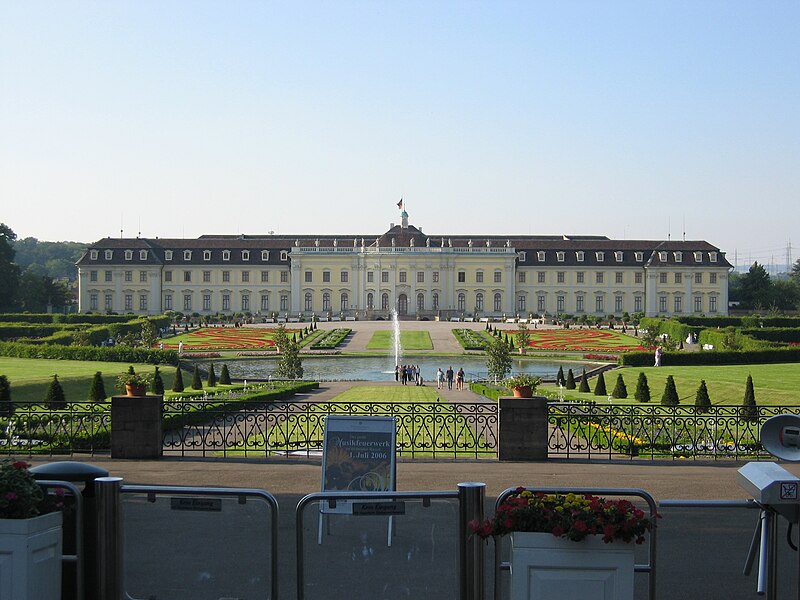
<point>409,340</point>
<point>777,384</point>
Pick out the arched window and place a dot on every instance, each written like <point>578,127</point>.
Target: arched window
<point>309,303</point>
<point>326,301</point>
<point>420,302</point>
<point>498,302</point>
<point>521,303</point>
<point>435,300</point>
<point>479,301</point>
<point>462,301</point>
<point>344,301</point>
<point>385,301</point>
<point>370,301</point>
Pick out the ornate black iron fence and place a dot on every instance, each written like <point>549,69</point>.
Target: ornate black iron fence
<point>435,430</point>
<point>656,432</point>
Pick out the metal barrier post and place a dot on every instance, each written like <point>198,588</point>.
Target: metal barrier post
<point>471,497</point>
<point>109,538</point>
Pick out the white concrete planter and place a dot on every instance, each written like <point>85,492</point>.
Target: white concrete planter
<point>544,567</point>
<point>30,558</point>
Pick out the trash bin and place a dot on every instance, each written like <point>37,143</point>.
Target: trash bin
<point>77,473</point>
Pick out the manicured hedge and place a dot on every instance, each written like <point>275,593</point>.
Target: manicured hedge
<point>45,318</point>
<point>674,329</point>
<point>13,331</point>
<point>645,359</point>
<point>111,354</point>
<point>775,334</point>
<point>470,340</point>
<point>331,339</point>
<point>739,321</point>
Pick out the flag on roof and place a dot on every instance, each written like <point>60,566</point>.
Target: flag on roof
<point>400,204</point>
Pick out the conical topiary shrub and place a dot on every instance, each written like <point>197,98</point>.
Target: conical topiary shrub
<point>670,395</point>
<point>197,383</point>
<point>224,376</point>
<point>158,383</point>
<point>702,402</point>
<point>97,392</point>
<point>600,386</point>
<point>570,384</point>
<point>584,387</point>
<point>642,393</point>
<point>560,376</point>
<point>177,385</point>
<point>620,390</point>
<point>212,377</point>
<point>54,398</point>
<point>749,409</point>
<point>6,406</point>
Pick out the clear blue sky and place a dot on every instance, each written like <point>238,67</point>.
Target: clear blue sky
<point>631,119</point>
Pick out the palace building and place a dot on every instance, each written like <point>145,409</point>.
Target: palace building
<point>422,276</point>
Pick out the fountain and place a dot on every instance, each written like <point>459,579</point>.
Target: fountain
<point>396,337</point>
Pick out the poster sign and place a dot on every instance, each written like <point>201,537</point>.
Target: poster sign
<point>358,455</point>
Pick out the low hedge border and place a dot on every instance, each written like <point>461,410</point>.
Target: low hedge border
<point>128,354</point>
<point>722,357</point>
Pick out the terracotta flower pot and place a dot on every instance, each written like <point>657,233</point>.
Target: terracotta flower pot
<point>135,390</point>
<point>524,391</point>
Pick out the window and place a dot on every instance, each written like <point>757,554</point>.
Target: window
<point>245,276</point>
<point>167,301</point>
<point>308,276</point>
<point>579,255</point>
<point>618,256</point>
<point>698,304</point>
<point>264,276</point>
<point>265,255</point>
<point>498,277</point>
<point>435,277</point>
<point>420,302</point>
<point>92,301</point>
<point>540,276</point>
<point>109,302</point>
<point>187,276</point>
<point>309,304</point>
<point>540,256</point>
<point>128,276</point>
<point>579,277</point>
<point>540,303</point>
<point>284,276</point>
<point>678,302</point>
<point>93,275</point>
<point>187,255</point>
<point>108,276</point>
<point>560,277</point>
<point>226,276</point>
<point>384,276</point>
<point>637,277</point>
<point>662,304</point>
<point>128,254</point>
<point>384,301</point>
<point>284,256</point>
<point>264,302</point>
<point>128,301</point>
<point>618,277</point>
<point>598,277</point>
<point>402,276</point>
<point>522,256</point>
<point>206,254</point>
<point>245,301</point>
<point>370,277</point>
<point>167,254</point>
<point>462,277</point>
<point>326,301</point>
<point>560,256</point>
<point>462,301</point>
<point>698,257</point>
<point>638,256</point>
<point>637,304</point>
<point>226,255</point>
<point>345,275</point>
<point>420,276</point>
<point>598,305</point>
<point>712,278</point>
<point>662,278</point>
<point>142,276</point>
<point>479,277</point>
<point>560,304</point>
<point>93,255</point>
<point>712,304</point>
<point>142,254</point>
<point>698,278</point>
<point>618,304</point>
<point>370,301</point>
<point>168,276</point>
<point>245,254</point>
<point>678,277</point>
<point>521,276</point>
<point>344,302</point>
<point>206,301</point>
<point>326,277</point>
<point>579,303</point>
<point>521,303</point>
<point>435,301</point>
<point>678,256</point>
<point>662,256</point>
<point>600,256</point>
<point>498,302</point>
<point>284,302</point>
<point>226,301</point>
<point>479,301</point>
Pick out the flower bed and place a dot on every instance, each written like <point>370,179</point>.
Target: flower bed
<point>470,340</point>
<point>580,340</point>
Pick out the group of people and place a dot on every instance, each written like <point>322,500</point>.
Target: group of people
<point>412,374</point>
<point>406,374</point>
<point>443,377</point>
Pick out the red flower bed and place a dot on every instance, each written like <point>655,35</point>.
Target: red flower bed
<point>580,340</point>
<point>214,338</point>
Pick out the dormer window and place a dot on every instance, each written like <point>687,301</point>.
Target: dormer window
<point>284,255</point>
<point>245,254</point>
<point>712,256</point>
<point>540,256</point>
<point>226,255</point>
<point>142,254</point>
<point>662,256</point>
<point>167,254</point>
<point>265,255</point>
<point>93,254</point>
<point>187,255</point>
<point>618,256</point>
<point>109,254</point>
<point>678,256</point>
<point>698,257</point>
<point>600,256</point>
<point>128,254</point>
<point>638,256</point>
<point>522,256</point>
<point>206,254</point>
<point>579,256</point>
<point>560,256</point>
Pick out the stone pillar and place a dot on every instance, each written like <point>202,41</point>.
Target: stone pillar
<point>523,429</point>
<point>136,426</point>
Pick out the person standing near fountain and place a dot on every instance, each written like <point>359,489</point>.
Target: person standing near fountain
<point>460,379</point>
<point>439,378</point>
<point>397,373</point>
<point>449,375</point>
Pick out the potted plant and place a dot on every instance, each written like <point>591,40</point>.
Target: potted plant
<point>134,384</point>
<point>30,535</point>
<point>571,535</point>
<point>522,384</point>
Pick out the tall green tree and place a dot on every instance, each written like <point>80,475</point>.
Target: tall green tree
<point>702,402</point>
<point>749,410</point>
<point>97,391</point>
<point>523,337</point>
<point>290,365</point>
<point>756,288</point>
<point>6,406</point>
<point>9,272</point>
<point>54,397</point>
<point>498,359</point>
